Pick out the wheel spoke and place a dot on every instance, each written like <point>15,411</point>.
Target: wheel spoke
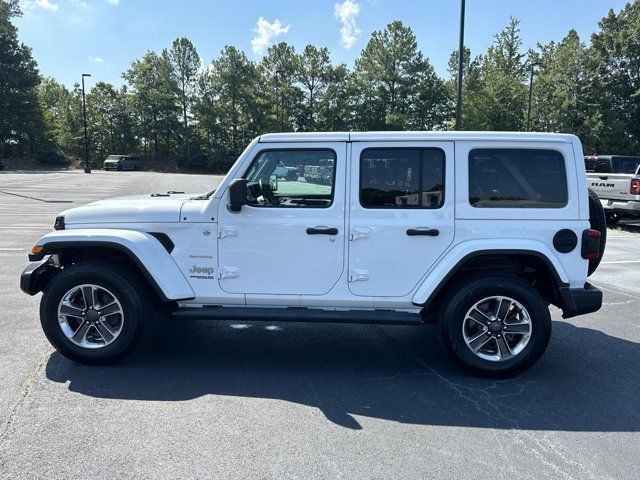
<point>478,342</point>
<point>80,334</point>
<point>87,295</point>
<point>479,335</point>
<point>504,348</point>
<point>70,311</point>
<point>104,331</point>
<point>110,309</point>
<point>503,308</point>
<point>479,317</point>
<point>519,328</point>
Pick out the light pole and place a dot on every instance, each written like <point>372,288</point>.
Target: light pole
<point>458,125</point>
<point>532,68</point>
<point>87,168</point>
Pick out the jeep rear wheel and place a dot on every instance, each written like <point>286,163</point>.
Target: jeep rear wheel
<point>94,312</point>
<point>495,326</point>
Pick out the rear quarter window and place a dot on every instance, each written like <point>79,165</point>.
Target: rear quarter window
<point>517,178</point>
<point>626,164</point>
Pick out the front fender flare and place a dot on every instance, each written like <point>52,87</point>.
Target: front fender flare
<point>448,264</point>
<point>146,251</point>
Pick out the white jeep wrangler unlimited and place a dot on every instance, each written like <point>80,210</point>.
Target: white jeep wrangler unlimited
<point>478,232</point>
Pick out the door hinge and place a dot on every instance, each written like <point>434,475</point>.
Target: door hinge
<point>227,232</point>
<point>358,275</point>
<point>358,232</point>
<point>228,272</point>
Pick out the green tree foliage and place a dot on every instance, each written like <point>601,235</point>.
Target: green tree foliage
<point>110,120</point>
<point>313,69</point>
<point>278,69</point>
<point>62,111</point>
<point>185,63</point>
<point>235,81</point>
<point>176,112</point>
<point>562,100</point>
<point>156,107</point>
<point>615,57</point>
<point>391,71</point>
<point>21,120</point>
<point>496,94</point>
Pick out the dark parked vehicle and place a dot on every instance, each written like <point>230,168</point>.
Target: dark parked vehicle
<point>121,162</point>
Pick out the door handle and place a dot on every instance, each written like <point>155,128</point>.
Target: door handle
<point>322,231</point>
<point>428,232</point>
<point>603,177</point>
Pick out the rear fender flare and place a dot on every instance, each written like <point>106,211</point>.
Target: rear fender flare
<point>451,261</point>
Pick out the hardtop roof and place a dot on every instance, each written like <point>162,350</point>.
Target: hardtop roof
<point>413,136</point>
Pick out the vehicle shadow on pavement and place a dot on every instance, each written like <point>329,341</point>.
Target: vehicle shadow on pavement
<point>626,227</point>
<point>587,380</point>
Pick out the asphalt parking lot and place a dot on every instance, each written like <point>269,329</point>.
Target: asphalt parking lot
<point>234,400</point>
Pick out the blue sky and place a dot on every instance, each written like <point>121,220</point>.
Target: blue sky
<point>103,37</point>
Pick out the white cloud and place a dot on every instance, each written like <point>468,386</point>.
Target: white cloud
<point>96,59</point>
<point>28,5</point>
<point>266,33</point>
<point>112,2</point>
<point>347,12</point>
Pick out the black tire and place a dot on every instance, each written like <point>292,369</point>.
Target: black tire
<point>126,287</point>
<point>598,221</point>
<point>292,176</point>
<point>612,218</point>
<point>465,295</point>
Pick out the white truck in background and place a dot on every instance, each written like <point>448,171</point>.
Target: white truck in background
<point>616,181</point>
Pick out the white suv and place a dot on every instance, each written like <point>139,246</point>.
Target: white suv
<point>478,232</point>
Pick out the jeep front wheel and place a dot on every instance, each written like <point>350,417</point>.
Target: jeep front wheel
<point>94,312</point>
<point>495,326</point>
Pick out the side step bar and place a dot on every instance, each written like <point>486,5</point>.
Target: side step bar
<point>298,314</point>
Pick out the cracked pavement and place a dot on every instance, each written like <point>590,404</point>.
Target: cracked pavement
<point>230,400</point>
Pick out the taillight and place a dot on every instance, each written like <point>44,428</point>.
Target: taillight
<point>635,187</point>
<point>591,244</point>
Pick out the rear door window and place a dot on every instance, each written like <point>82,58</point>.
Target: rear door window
<point>402,178</point>
<point>517,178</point>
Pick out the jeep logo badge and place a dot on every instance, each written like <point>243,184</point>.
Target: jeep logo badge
<point>201,272</point>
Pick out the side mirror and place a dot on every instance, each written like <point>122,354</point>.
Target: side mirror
<point>237,194</point>
<point>273,182</point>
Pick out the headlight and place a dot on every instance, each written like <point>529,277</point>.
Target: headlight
<point>59,223</point>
